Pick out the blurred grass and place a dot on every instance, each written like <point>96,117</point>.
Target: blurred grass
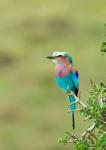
<point>32,109</point>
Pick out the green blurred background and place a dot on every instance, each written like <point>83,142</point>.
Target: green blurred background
<point>32,108</point>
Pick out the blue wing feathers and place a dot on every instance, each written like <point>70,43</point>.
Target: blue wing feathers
<point>75,79</point>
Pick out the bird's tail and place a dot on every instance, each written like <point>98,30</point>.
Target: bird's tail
<point>73,120</point>
<point>72,108</point>
<point>72,100</point>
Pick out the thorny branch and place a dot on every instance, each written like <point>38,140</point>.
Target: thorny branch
<point>77,100</point>
<point>90,131</point>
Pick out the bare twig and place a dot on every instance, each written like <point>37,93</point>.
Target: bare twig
<point>87,118</point>
<point>104,122</point>
<point>77,99</point>
<point>101,100</point>
<point>90,129</point>
<point>73,138</point>
<point>93,85</point>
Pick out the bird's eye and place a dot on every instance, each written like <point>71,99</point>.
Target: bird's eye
<point>60,56</point>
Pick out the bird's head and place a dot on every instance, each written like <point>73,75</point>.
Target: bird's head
<point>60,57</point>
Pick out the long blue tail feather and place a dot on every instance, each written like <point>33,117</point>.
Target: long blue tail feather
<point>72,107</point>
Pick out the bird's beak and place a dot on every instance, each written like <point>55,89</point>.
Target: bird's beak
<point>50,57</point>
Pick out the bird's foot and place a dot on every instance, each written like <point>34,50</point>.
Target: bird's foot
<point>68,111</point>
<point>74,102</point>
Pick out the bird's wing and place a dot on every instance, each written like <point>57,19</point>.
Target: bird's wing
<point>75,80</point>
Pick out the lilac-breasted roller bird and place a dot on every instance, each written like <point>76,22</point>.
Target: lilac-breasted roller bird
<point>66,77</point>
